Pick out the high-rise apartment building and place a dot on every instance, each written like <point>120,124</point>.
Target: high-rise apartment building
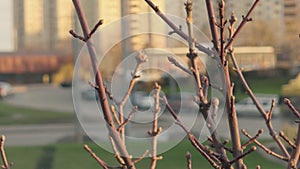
<point>291,17</point>
<point>267,25</point>
<point>43,25</point>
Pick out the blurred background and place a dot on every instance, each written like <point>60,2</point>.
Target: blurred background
<point>37,57</point>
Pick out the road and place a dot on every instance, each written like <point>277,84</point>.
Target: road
<point>45,97</point>
<point>60,99</point>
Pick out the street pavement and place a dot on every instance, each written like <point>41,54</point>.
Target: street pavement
<point>60,99</point>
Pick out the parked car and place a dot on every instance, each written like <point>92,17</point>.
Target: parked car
<point>246,107</point>
<point>142,100</point>
<point>89,93</point>
<point>5,89</point>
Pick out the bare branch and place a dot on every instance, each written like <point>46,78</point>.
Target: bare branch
<point>177,29</point>
<point>189,22</point>
<point>251,140</point>
<point>188,157</point>
<point>230,99</point>
<point>258,105</point>
<point>200,148</point>
<point>207,156</point>
<point>242,24</point>
<point>212,23</point>
<point>141,157</point>
<point>3,154</point>
<point>292,107</point>
<point>121,126</point>
<point>231,27</point>
<point>270,112</point>
<point>99,160</point>
<point>100,22</point>
<point>286,139</point>
<point>101,90</point>
<point>253,148</point>
<point>267,150</point>
<point>155,130</point>
<point>221,25</point>
<point>177,64</point>
<point>113,110</point>
<point>140,58</point>
<point>293,161</point>
<point>75,35</point>
<point>116,152</point>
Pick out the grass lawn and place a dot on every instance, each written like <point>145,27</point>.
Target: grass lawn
<point>15,115</point>
<point>265,85</point>
<point>64,156</point>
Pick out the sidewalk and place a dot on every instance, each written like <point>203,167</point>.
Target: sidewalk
<point>32,135</point>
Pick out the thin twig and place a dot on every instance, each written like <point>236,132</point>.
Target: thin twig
<point>270,112</point>
<point>99,160</point>
<point>267,150</point>
<point>155,130</point>
<point>258,105</point>
<point>222,23</point>
<point>286,139</point>
<point>189,22</point>
<point>3,154</point>
<point>113,110</point>
<point>251,140</point>
<point>101,90</point>
<point>231,27</point>
<point>177,64</point>
<point>116,152</point>
<point>212,24</point>
<point>292,107</point>
<point>188,157</point>
<point>233,122</point>
<point>253,148</point>
<point>200,148</point>
<point>177,29</point>
<point>204,104</point>
<point>230,99</point>
<point>293,161</point>
<point>206,155</point>
<point>100,22</point>
<point>141,157</point>
<point>242,24</point>
<point>121,126</point>
<point>140,59</point>
<point>110,95</point>
<point>75,35</point>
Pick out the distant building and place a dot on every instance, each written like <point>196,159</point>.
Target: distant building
<point>268,18</point>
<point>29,68</point>
<point>252,58</point>
<point>7,29</point>
<point>43,25</point>
<point>291,15</point>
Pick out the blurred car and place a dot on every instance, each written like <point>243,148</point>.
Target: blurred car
<point>66,84</point>
<point>5,89</point>
<point>246,107</point>
<point>89,93</point>
<point>142,100</point>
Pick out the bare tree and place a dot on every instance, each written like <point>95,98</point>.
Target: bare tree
<point>217,153</point>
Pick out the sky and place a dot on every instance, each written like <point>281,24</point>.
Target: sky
<point>6,26</point>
